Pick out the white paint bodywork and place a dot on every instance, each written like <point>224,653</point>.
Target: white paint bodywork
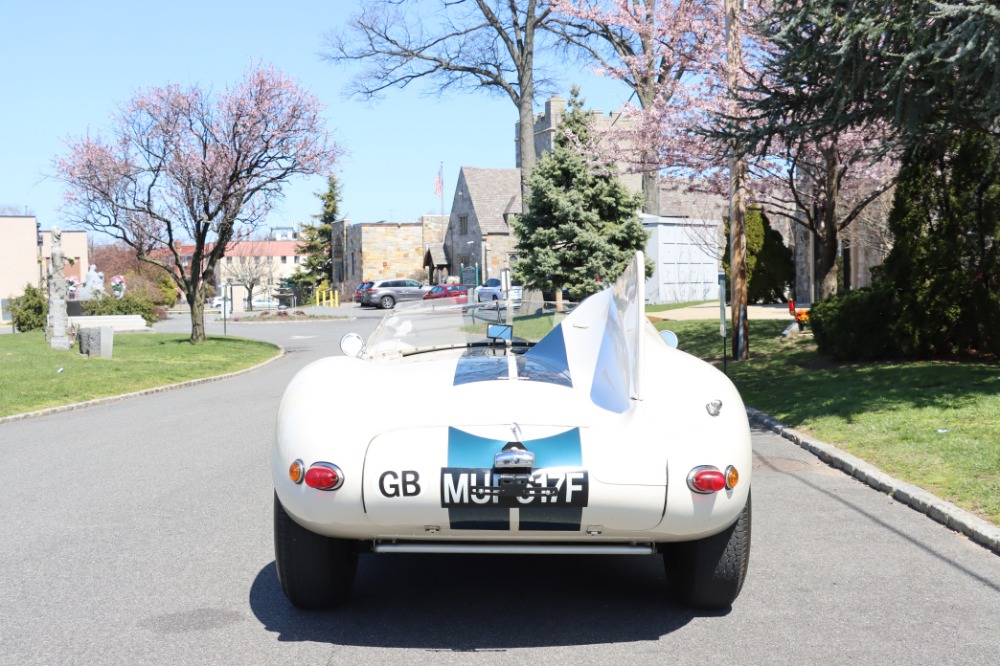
<point>377,418</point>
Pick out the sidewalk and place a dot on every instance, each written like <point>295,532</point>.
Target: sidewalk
<point>711,311</point>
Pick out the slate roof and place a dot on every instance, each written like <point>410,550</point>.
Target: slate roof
<point>494,193</point>
<point>435,255</point>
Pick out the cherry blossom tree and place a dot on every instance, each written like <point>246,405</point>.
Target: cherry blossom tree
<point>688,122</point>
<point>669,53</point>
<point>824,185</point>
<point>181,166</point>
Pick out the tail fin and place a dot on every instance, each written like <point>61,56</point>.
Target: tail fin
<point>617,377</point>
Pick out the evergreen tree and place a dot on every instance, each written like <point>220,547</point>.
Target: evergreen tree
<point>944,267</point>
<point>581,228</point>
<point>315,243</point>
<point>770,266</point>
<point>923,67</point>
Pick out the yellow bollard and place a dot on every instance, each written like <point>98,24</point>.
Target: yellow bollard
<point>336,299</point>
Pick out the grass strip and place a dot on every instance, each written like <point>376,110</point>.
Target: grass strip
<point>33,376</point>
<point>933,424</point>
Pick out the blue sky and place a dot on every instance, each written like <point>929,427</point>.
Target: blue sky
<point>66,67</point>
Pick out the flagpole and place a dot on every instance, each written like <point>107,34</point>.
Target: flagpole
<point>441,176</point>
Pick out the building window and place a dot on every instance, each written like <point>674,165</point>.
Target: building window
<point>284,259</point>
<point>296,258</point>
<point>463,224</point>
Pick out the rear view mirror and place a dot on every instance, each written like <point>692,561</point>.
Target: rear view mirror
<point>499,332</point>
<point>351,344</point>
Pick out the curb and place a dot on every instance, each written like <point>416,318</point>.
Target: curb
<point>135,394</point>
<point>982,532</point>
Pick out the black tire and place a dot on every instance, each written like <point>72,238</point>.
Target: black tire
<point>709,573</point>
<point>315,572</point>
<point>386,302</point>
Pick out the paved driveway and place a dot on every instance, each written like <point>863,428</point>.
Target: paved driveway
<point>139,532</point>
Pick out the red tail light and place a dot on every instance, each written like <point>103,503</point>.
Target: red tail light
<point>324,476</point>
<point>705,479</point>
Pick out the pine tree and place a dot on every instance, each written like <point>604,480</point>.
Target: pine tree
<point>315,243</point>
<point>944,266</point>
<point>581,228</point>
<point>770,265</point>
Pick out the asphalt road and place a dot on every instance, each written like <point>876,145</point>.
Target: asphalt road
<point>139,532</point>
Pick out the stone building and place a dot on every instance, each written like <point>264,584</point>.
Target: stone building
<point>374,250</point>
<point>25,253</point>
<point>479,232</point>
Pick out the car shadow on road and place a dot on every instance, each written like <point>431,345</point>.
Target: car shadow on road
<point>483,603</point>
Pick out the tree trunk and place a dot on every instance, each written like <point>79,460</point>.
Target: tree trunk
<point>650,193</point>
<point>826,267</point>
<point>526,143</point>
<point>197,321</point>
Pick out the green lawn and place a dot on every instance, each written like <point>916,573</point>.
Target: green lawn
<point>933,424</point>
<point>33,376</point>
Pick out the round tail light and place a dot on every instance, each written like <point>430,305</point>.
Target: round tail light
<point>705,479</point>
<point>296,471</point>
<point>732,477</point>
<point>324,476</point>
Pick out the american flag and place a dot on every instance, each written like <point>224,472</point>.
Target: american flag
<point>438,183</point>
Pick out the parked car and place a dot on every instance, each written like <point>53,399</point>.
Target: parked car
<point>360,290</point>
<point>602,437</point>
<point>386,293</point>
<point>264,303</point>
<point>458,292</point>
<point>492,290</point>
<point>217,301</point>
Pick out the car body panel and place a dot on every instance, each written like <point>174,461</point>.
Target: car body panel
<point>616,418</point>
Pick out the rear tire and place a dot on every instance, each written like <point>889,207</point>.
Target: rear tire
<point>386,302</point>
<point>709,573</point>
<point>315,572</point>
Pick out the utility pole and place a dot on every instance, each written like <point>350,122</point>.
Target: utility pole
<point>737,199</point>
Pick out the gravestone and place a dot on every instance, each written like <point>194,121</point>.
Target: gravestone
<point>96,341</point>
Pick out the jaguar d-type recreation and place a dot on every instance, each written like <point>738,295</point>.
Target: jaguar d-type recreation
<point>569,432</point>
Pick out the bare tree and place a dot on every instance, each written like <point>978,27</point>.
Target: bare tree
<point>465,44</point>
<point>15,211</point>
<point>184,169</point>
<point>249,263</point>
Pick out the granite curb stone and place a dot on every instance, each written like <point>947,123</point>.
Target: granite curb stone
<point>135,394</point>
<point>980,531</point>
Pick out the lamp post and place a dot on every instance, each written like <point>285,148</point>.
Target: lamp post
<point>41,272</point>
<point>485,251</point>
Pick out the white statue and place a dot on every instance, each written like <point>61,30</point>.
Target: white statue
<point>93,284</point>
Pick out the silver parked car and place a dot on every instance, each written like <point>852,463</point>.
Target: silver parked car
<point>386,293</point>
<point>492,290</point>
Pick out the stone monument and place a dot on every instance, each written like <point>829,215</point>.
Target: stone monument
<point>57,295</point>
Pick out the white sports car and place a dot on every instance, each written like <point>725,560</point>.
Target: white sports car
<point>601,438</point>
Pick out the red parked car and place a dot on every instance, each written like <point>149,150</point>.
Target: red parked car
<point>458,292</point>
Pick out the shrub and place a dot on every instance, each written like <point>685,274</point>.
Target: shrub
<point>127,304</point>
<point>770,265</point>
<point>30,310</point>
<point>945,261</point>
<point>856,326</point>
